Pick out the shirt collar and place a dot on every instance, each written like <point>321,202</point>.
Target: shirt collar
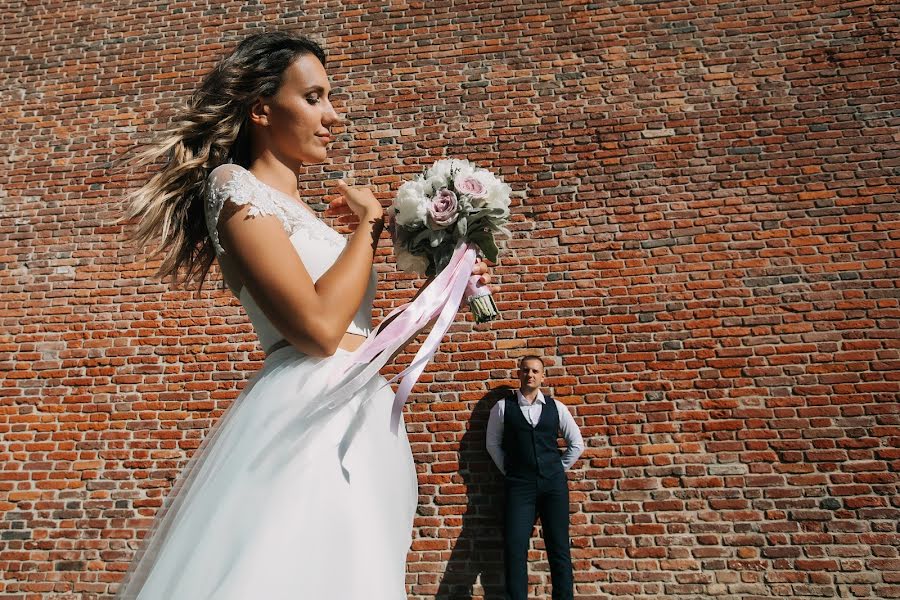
<point>523,402</point>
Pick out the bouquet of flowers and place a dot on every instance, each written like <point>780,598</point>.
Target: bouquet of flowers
<point>443,220</point>
<point>453,204</point>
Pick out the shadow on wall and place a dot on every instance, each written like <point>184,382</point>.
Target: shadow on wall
<point>478,552</point>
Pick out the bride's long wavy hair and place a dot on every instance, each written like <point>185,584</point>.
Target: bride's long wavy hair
<point>212,129</point>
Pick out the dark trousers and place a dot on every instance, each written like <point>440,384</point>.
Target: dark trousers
<point>527,499</point>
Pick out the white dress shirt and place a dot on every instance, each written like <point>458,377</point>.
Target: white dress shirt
<point>532,412</point>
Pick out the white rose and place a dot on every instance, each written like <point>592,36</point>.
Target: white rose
<point>411,206</point>
<point>497,194</point>
<point>462,168</point>
<point>432,185</point>
<point>406,261</point>
<point>442,169</point>
<point>486,178</point>
<point>439,170</point>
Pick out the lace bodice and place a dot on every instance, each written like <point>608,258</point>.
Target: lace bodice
<point>317,244</point>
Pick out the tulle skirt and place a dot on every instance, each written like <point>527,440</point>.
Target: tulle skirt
<point>269,507</point>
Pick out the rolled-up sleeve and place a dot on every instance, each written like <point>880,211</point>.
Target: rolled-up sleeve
<point>572,435</point>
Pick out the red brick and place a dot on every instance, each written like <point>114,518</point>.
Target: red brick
<point>706,247</point>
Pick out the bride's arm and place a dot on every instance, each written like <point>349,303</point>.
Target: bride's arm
<point>312,316</point>
<point>343,286</point>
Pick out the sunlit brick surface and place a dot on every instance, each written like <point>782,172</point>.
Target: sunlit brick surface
<point>706,245</point>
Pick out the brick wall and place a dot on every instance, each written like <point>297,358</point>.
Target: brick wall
<point>708,249</point>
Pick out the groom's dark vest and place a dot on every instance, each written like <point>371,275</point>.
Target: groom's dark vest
<point>529,451</point>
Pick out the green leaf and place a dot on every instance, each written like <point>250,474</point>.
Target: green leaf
<point>485,241</point>
<point>422,236</point>
<point>488,212</point>
<point>442,256</point>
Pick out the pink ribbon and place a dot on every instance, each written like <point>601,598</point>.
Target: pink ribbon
<point>412,316</point>
<point>448,307</point>
<point>441,299</point>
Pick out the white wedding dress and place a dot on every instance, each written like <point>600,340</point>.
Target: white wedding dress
<point>279,502</point>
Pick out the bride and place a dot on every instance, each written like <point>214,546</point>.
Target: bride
<point>271,505</point>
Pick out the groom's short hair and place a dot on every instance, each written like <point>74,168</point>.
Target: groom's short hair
<point>531,357</point>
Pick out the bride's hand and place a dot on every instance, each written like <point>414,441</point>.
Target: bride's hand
<point>481,268</point>
<point>360,200</point>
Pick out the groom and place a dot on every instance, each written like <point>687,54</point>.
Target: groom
<point>522,436</point>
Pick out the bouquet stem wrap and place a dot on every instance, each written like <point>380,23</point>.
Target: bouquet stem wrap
<point>480,300</point>
<point>440,298</point>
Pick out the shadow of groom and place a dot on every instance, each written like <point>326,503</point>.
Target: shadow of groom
<point>478,553</point>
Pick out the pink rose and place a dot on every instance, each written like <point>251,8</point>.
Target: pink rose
<point>442,210</point>
<point>470,186</point>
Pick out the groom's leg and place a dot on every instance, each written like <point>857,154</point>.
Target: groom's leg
<point>519,517</point>
<point>553,508</point>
